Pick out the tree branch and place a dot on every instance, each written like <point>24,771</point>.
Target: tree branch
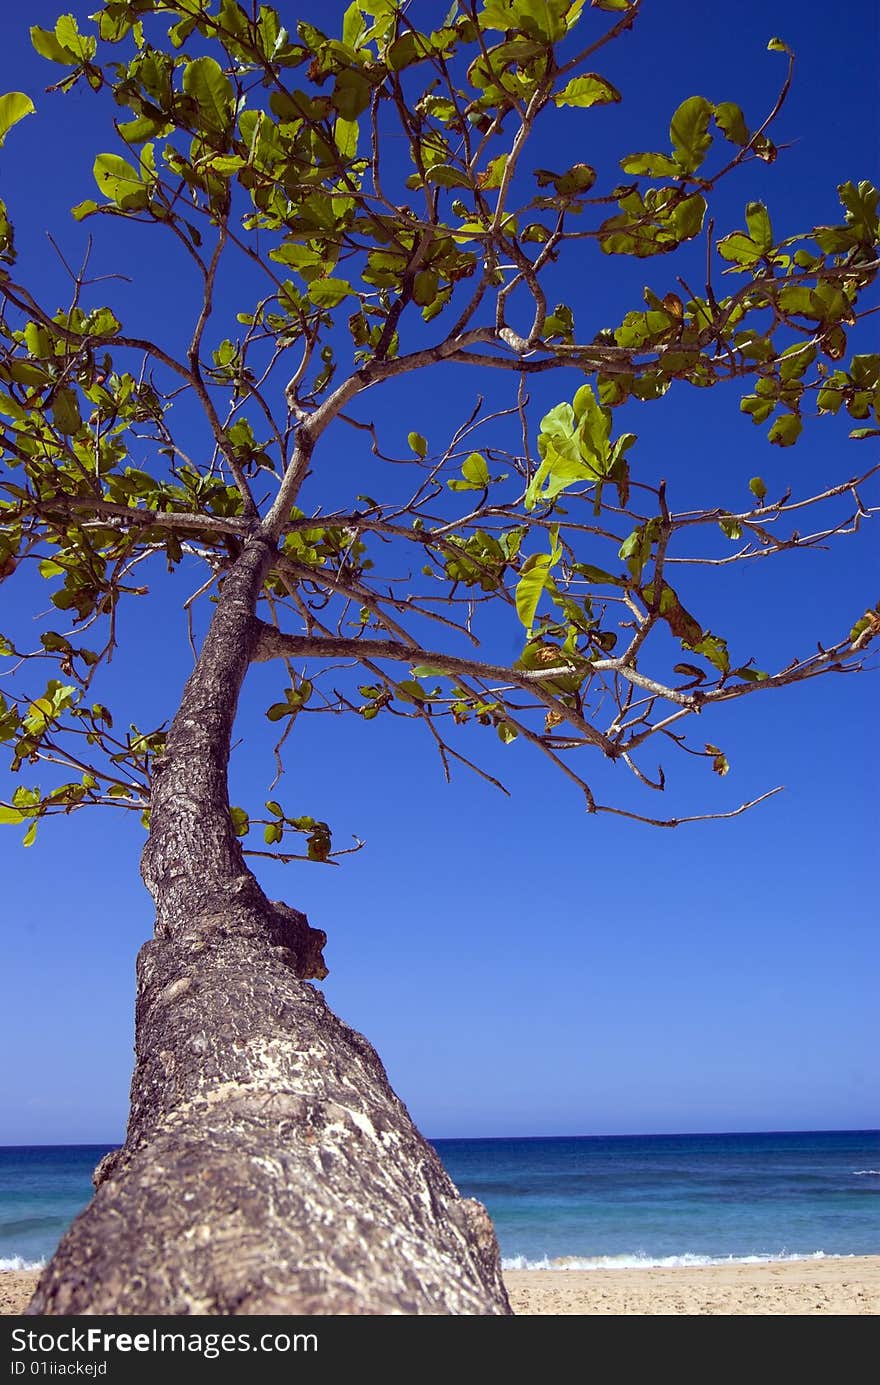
<point>273,644</point>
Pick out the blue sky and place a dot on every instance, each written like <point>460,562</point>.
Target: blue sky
<point>520,967</point>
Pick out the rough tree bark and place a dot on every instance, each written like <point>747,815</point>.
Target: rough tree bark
<point>268,1166</point>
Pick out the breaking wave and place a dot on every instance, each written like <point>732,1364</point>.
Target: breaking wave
<point>648,1262</point>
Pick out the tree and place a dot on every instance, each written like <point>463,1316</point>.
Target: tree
<point>369,202</point>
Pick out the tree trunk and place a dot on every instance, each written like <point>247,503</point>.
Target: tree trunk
<point>268,1167</point>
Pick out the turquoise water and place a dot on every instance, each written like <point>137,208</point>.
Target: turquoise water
<point>675,1199</point>
<point>42,1187</point>
<point>587,1202</point>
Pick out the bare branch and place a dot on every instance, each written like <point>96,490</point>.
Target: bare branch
<point>696,817</point>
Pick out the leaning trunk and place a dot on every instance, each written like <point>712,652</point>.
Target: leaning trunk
<point>268,1166</point>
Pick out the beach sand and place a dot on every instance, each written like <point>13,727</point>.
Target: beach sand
<point>16,1287</point>
<point>794,1287</point>
<point>845,1286</point>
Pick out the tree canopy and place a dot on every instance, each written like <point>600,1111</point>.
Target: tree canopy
<point>371,198</point>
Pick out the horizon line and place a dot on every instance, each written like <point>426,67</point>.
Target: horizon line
<point>634,1135</point>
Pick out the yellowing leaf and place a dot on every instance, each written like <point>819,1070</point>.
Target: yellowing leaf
<point>588,90</point>
<point>14,106</point>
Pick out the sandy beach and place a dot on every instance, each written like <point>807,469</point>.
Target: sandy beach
<point>16,1287</point>
<point>845,1287</point>
<point>794,1287</point>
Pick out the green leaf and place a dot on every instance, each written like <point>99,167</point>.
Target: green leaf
<point>786,430</point>
<point>795,361</point>
<point>65,413</point>
<point>869,621</point>
<point>759,409</point>
<point>240,821</point>
<point>731,122</point>
<point>758,222</point>
<point>345,135</point>
<point>598,576</point>
<point>542,19</point>
<point>206,83</point>
<point>305,261</point>
<point>530,587</point>
<point>30,835</point>
<point>739,248</point>
<point>720,762</point>
<point>272,833</point>
<point>447,176</point>
<point>418,444</point>
<point>689,132</point>
<point>353,26</point>
<point>758,489</point>
<point>402,52</point>
<point>327,293</point>
<point>46,44</point>
<point>588,90</point>
<point>561,443</point>
<point>578,178</point>
<point>654,165</point>
<point>778,45</point>
<point>425,286</point>
<point>713,648</point>
<point>687,217</point>
<point>412,691</point>
<point>82,46</point>
<point>351,94</point>
<point>475,470</point>
<point>11,816</point>
<point>14,106</point>
<point>751,675</point>
<point>635,551</point>
<point>119,181</point>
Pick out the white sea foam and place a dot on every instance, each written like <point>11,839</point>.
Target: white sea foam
<point>647,1262</point>
<point>15,1262</point>
<point>867,1173</point>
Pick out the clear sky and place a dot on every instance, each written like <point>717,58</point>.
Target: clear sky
<point>523,969</point>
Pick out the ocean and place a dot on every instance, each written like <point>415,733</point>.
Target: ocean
<point>591,1202</point>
